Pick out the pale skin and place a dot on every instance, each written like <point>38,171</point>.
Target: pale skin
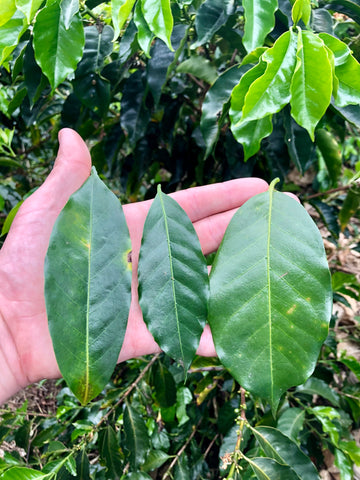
<point>26,353</point>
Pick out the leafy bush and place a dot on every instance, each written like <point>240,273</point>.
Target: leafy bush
<point>186,93</point>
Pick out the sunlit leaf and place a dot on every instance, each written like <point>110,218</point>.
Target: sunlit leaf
<point>173,280</point>
<point>259,21</point>
<point>27,7</point>
<point>269,334</point>
<point>7,10</point>
<point>158,16</point>
<point>87,287</point>
<point>120,11</point>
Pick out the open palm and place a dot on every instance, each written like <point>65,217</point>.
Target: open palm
<point>26,353</point>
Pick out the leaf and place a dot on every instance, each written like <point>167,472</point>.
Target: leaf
<point>136,437</point>
<point>110,451</point>
<point>259,21</point>
<point>291,422</point>
<point>344,465</point>
<point>351,113</point>
<point>94,92</point>
<point>315,386</point>
<point>24,473</point>
<point>301,11</point>
<point>28,8</point>
<point>7,10</point>
<point>281,448</point>
<point>213,105</point>
<point>173,280</point>
<point>200,67</point>
<point>120,11</point>
<point>158,16</point>
<point>10,34</point>
<point>144,34</point>
<point>33,75</point>
<point>250,133</point>
<point>352,364</point>
<point>98,46</point>
<point>87,285</point>
<point>329,215</point>
<point>268,469</point>
<point>211,16</point>
<point>270,92</point>
<point>138,476</point>
<point>331,153</point>
<point>69,8</point>
<point>154,460</point>
<point>164,386</point>
<point>57,49</point>
<point>325,415</point>
<point>311,85</point>
<point>269,334</point>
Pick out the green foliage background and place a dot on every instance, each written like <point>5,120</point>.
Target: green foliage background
<point>158,89</point>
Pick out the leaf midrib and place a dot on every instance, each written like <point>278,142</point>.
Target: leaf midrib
<point>271,192</point>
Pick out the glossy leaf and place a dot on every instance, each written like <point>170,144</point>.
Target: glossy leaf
<point>300,147</point>
<point>326,415</point>
<point>211,15</point>
<point>158,16</point>
<point>24,473</point>
<point>270,92</point>
<point>10,33</point>
<point>98,46</point>
<point>281,448</point>
<point>259,21</point>
<point>343,463</point>
<point>213,105</point>
<point>87,287</point>
<point>316,386</point>
<point>268,469</point>
<point>28,8</point>
<point>154,460</point>
<point>269,335</point>
<point>144,34</point>
<point>173,280</point>
<point>7,10</point>
<point>120,11</point>
<point>138,476</point>
<point>136,436</point>
<point>291,422</point>
<point>250,133</point>
<point>164,386</point>
<point>110,451</point>
<point>301,11</point>
<point>329,215</point>
<point>351,113</point>
<point>69,8</point>
<point>311,85</point>
<point>331,153</point>
<point>57,49</point>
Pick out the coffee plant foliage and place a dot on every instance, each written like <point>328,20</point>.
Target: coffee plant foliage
<point>181,93</point>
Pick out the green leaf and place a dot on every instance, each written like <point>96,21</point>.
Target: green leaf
<point>138,476</point>
<point>98,46</point>
<point>301,11</point>
<point>315,386</point>
<point>331,153</point>
<point>57,49</point>
<point>83,466</point>
<point>291,422</point>
<point>120,11</point>
<point>281,448</point>
<point>164,386</point>
<point>325,415</point>
<point>329,215</point>
<point>10,34</point>
<point>270,92</point>
<point>154,460</point>
<point>87,285</point>
<point>269,334</point>
<point>24,473</point>
<point>110,451</point>
<point>144,34</point>
<point>94,92</point>
<point>343,463</point>
<point>182,470</point>
<point>268,469</point>
<point>311,85</point>
<point>158,16</point>
<point>213,105</point>
<point>211,16</point>
<point>352,364</point>
<point>259,21</point>
<point>136,436</point>
<point>351,113</point>
<point>250,133</point>
<point>69,8</point>
<point>7,10</point>
<point>34,80</point>
<point>200,67</point>
<point>173,280</point>
<point>28,8</point>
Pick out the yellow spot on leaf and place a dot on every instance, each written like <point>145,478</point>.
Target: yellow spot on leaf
<point>291,309</point>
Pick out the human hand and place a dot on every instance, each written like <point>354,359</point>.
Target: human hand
<point>26,353</point>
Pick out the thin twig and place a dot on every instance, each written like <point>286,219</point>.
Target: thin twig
<point>328,192</point>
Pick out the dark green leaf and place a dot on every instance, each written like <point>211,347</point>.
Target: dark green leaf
<point>138,476</point>
<point>351,113</point>
<point>94,92</point>
<point>211,15</point>
<point>110,451</point>
<point>136,436</point>
<point>213,105</point>
<point>329,214</point>
<point>158,16</point>
<point>321,21</point>
<point>98,46</point>
<point>87,287</point>
<point>33,75</point>
<point>348,7</point>
<point>259,21</point>
<point>315,386</point>
<point>57,49</point>
<point>311,85</point>
<point>200,67</point>
<point>269,469</point>
<point>154,460</point>
<point>164,384</point>
<point>173,280</point>
<point>182,470</point>
<point>350,206</point>
<point>352,364</point>
<point>331,153</point>
<point>291,422</point>
<point>269,334</point>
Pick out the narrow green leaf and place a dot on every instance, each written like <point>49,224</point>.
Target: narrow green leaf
<point>173,280</point>
<point>213,105</point>
<point>259,21</point>
<point>57,49</point>
<point>316,386</point>
<point>268,469</point>
<point>311,85</point>
<point>10,34</point>
<point>270,92</point>
<point>136,436</point>
<point>291,422</point>
<point>158,16</point>
<point>110,451</point>
<point>343,463</point>
<point>326,415</point>
<point>281,448</point>
<point>144,35</point>
<point>87,287</point>
<point>269,334</point>
<point>7,10</point>
<point>120,11</point>
<point>352,364</point>
<point>331,153</point>
<point>83,466</point>
<point>211,16</point>
<point>301,11</point>
<point>200,67</point>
